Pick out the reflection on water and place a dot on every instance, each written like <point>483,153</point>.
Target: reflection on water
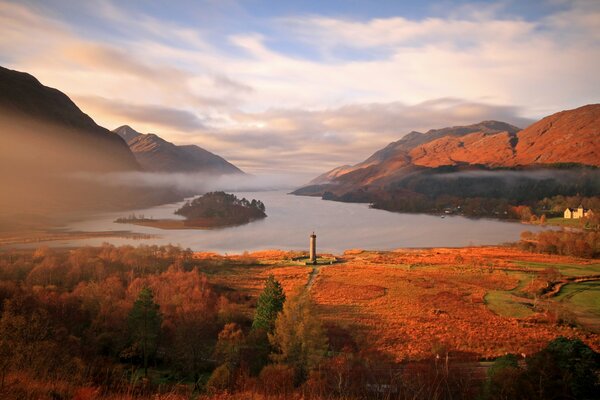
<point>291,219</point>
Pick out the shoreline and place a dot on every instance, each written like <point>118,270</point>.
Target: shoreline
<point>30,237</point>
<point>178,224</point>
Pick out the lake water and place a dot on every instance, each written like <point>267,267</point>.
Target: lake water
<point>291,219</point>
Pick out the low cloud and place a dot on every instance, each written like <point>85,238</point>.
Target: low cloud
<point>537,175</point>
<point>194,183</point>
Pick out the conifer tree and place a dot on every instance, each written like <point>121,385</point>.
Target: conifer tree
<point>144,324</point>
<point>270,302</point>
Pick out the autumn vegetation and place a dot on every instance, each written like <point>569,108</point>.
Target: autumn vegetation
<point>584,244</point>
<point>165,323</point>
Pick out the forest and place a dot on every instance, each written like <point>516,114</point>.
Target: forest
<point>150,322</point>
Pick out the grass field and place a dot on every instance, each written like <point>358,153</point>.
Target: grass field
<point>476,300</point>
<point>505,304</point>
<point>583,294</point>
<point>580,269</point>
<point>559,221</point>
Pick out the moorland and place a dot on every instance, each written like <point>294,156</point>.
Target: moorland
<point>134,322</point>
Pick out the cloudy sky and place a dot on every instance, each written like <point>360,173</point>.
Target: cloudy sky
<point>289,86</point>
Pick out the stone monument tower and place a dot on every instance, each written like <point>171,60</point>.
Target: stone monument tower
<point>313,248</point>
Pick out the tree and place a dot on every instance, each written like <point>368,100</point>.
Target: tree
<point>504,379</point>
<point>229,344</point>
<point>298,337</point>
<point>144,324</point>
<point>270,302</point>
<point>567,367</point>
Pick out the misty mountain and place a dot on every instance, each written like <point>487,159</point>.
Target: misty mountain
<point>158,155</point>
<point>41,122</point>
<point>445,162</point>
<point>46,142</point>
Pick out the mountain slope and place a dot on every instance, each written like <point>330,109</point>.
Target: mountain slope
<point>423,172</point>
<point>33,113</point>
<point>415,148</point>
<point>565,137</point>
<point>158,155</point>
<point>55,159</point>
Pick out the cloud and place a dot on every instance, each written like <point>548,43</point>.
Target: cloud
<point>320,139</point>
<point>171,118</point>
<point>307,92</point>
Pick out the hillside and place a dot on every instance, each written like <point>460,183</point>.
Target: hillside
<point>33,114</point>
<point>556,155</point>
<point>400,153</point>
<point>158,155</point>
<point>53,156</point>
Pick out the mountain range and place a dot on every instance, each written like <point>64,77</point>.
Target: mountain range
<point>55,160</point>
<point>48,143</point>
<point>565,143</point>
<point>155,154</point>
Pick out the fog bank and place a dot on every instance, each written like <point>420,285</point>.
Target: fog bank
<point>194,183</point>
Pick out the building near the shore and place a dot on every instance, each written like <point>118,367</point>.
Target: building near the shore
<point>576,213</point>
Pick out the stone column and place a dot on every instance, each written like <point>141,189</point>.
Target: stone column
<point>313,248</point>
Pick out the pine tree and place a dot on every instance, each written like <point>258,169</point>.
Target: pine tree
<point>144,324</point>
<point>270,302</point>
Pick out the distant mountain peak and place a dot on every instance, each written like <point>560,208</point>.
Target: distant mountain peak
<point>157,154</point>
<point>126,132</point>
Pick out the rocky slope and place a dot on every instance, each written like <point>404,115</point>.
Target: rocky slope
<point>158,155</point>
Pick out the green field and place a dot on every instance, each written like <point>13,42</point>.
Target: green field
<point>565,269</point>
<point>559,221</point>
<point>507,302</point>
<point>583,297</point>
<point>507,305</point>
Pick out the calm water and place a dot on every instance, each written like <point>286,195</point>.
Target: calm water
<point>291,219</point>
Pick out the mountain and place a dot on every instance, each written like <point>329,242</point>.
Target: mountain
<point>567,136</point>
<point>423,171</point>
<point>156,154</point>
<point>42,122</point>
<point>413,149</point>
<point>55,159</point>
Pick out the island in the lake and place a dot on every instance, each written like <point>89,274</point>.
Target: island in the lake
<point>212,210</point>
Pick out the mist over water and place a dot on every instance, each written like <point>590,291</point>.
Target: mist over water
<point>291,219</point>
<point>196,182</point>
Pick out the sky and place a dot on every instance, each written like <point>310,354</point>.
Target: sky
<point>305,86</point>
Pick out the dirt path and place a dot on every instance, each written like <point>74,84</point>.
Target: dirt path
<point>313,275</point>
